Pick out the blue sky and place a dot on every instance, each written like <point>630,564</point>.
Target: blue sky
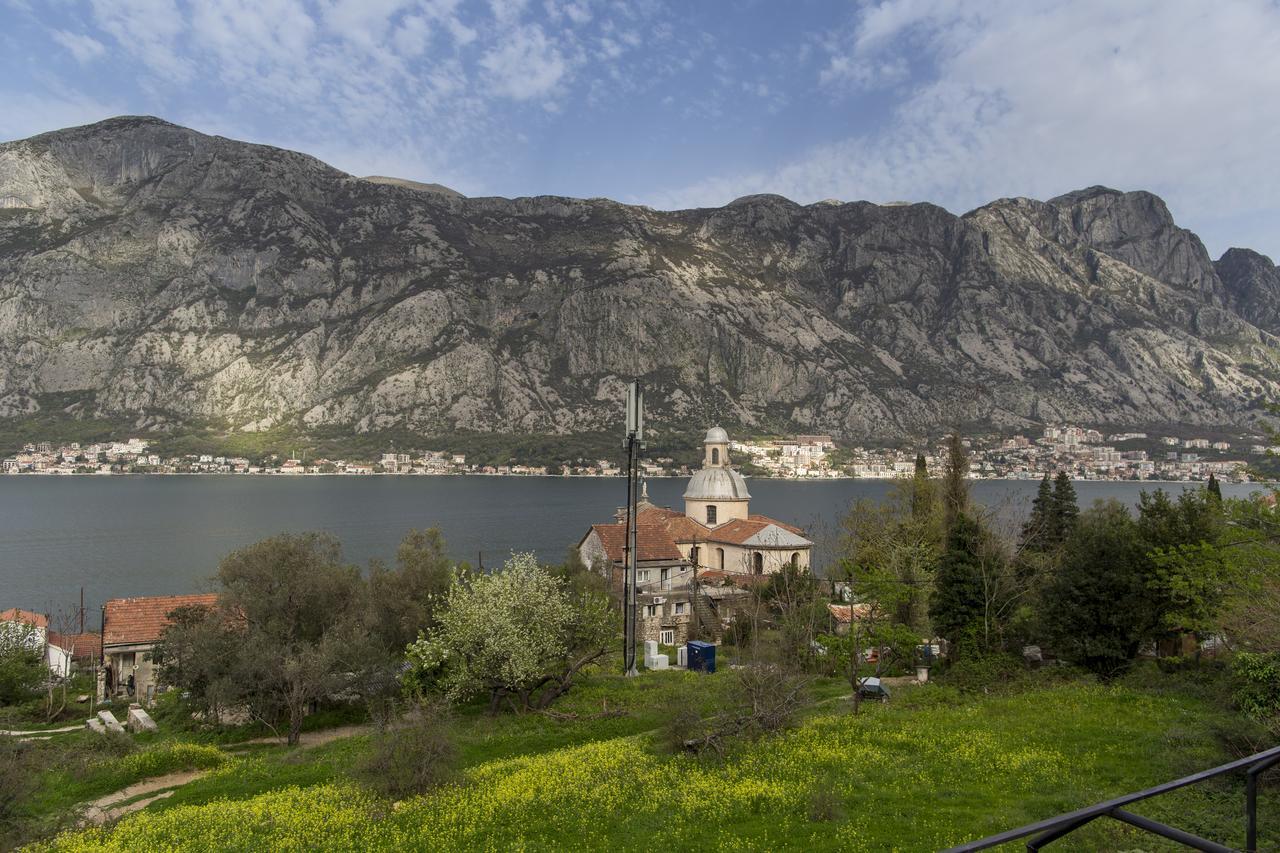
<point>679,104</point>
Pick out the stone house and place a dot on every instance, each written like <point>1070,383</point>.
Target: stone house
<point>130,629</point>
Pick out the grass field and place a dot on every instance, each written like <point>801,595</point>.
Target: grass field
<point>933,768</point>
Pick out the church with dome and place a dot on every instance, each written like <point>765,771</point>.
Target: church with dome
<point>692,566</point>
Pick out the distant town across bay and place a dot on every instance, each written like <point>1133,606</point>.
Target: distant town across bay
<point>1083,453</point>
<point>153,535</point>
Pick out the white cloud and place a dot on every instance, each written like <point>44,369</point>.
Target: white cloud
<point>525,65</point>
<point>83,48</point>
<point>149,29</point>
<point>1175,96</point>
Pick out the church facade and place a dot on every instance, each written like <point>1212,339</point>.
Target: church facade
<point>694,566</point>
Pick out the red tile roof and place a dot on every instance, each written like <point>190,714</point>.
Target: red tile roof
<point>653,539</point>
<point>15,614</point>
<point>86,646</point>
<point>799,531</point>
<point>844,612</point>
<point>130,621</point>
<point>737,531</point>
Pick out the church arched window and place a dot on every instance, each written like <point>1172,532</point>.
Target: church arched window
<point>795,560</point>
<point>720,559</point>
<point>757,562</point>
<point>711,513</point>
<point>715,456</point>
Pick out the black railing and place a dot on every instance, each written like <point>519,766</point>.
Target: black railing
<point>1046,831</point>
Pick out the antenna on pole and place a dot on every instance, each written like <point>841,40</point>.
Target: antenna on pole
<point>633,442</point>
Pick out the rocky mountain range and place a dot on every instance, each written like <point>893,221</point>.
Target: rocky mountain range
<point>152,272</point>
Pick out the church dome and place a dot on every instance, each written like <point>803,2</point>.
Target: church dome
<point>717,484</point>
<point>716,435</point>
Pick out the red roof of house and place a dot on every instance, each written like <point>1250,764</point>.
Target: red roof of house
<point>737,531</point>
<point>86,646</point>
<point>15,614</point>
<point>799,531</point>
<point>845,612</point>
<point>130,621</point>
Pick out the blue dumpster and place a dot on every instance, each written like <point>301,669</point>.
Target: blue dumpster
<point>702,656</point>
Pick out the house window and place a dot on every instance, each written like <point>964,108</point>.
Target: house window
<point>667,637</point>
<point>642,575</point>
<point>720,559</point>
<point>650,611</point>
<point>757,562</point>
<point>681,607</point>
<point>711,514</point>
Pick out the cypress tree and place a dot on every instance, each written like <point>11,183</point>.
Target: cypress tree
<point>1037,533</point>
<point>956,606</point>
<point>955,489</point>
<point>921,489</point>
<point>1213,488</point>
<point>1065,508</point>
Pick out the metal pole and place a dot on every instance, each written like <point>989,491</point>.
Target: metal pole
<point>632,555</point>
<point>1251,812</point>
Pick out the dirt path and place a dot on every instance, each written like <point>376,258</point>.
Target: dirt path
<point>109,808</point>
<point>309,739</point>
<point>37,732</point>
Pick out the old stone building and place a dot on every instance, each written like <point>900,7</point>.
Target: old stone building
<point>694,568</point>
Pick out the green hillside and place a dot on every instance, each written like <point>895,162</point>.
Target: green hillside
<point>934,767</point>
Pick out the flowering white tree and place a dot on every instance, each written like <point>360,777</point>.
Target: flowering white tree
<point>516,634</point>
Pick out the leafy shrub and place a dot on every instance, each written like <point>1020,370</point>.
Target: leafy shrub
<point>763,699</point>
<point>1258,686</point>
<point>22,669</point>
<point>984,672</point>
<point>410,756</point>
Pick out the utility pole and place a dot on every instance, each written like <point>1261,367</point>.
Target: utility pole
<point>633,442</point>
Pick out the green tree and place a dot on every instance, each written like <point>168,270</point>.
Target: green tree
<point>22,666</point>
<point>517,635</point>
<point>402,601</point>
<point>1213,487</point>
<point>299,611</point>
<point>1097,609</point>
<point>955,485</point>
<point>923,490</point>
<point>1065,509</point>
<point>198,653</point>
<point>958,603</point>
<point>1037,532</point>
<point>1191,574</point>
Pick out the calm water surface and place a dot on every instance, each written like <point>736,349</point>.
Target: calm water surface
<point>146,535</point>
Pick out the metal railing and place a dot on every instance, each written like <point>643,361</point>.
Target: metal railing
<point>1046,831</point>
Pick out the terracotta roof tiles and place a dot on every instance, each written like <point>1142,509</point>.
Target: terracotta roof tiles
<point>16,614</point>
<point>130,621</point>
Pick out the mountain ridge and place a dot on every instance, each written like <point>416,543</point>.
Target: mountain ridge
<point>169,276</point>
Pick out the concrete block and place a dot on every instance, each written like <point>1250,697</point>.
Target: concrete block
<point>682,656</point>
<point>95,725</point>
<point>109,720</point>
<point>658,662</point>
<point>140,721</point>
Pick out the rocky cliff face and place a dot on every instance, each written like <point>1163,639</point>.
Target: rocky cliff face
<point>151,271</point>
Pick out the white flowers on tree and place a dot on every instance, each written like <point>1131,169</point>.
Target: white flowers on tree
<point>517,634</point>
